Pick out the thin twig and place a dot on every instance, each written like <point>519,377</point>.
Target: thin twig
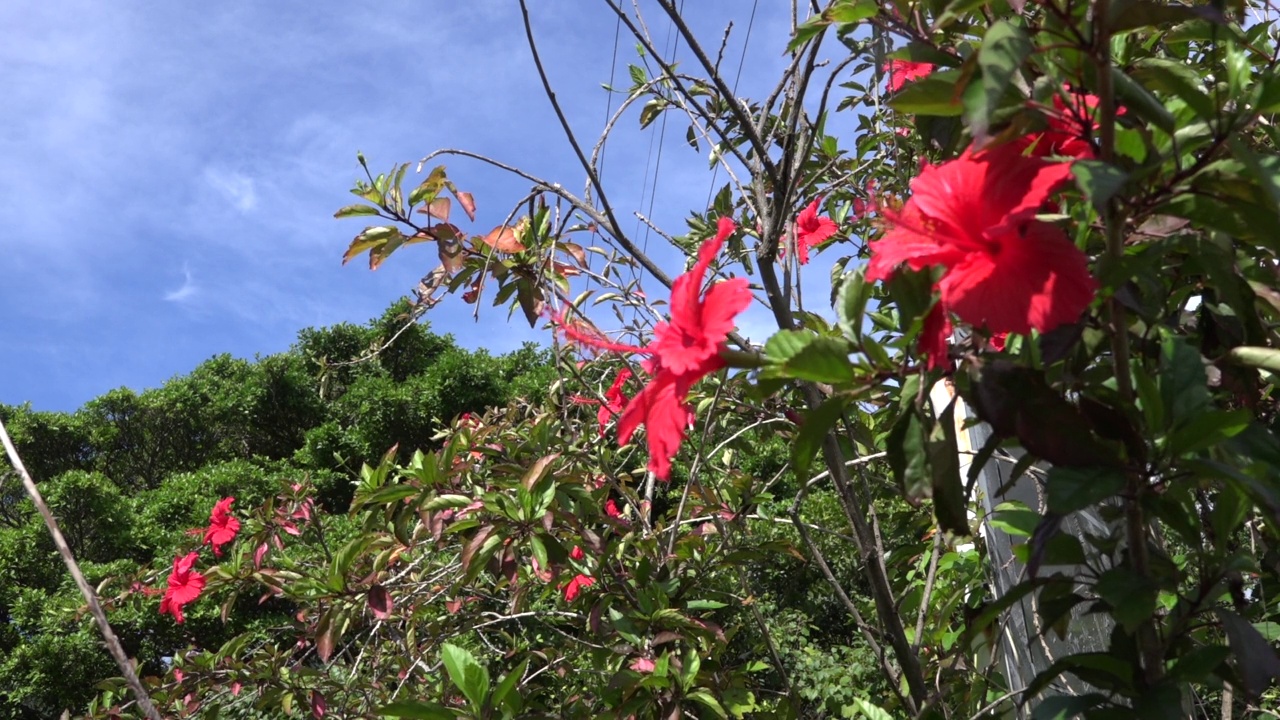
<point>615,228</point>
<point>95,608</point>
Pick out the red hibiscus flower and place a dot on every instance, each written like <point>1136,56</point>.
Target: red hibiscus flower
<point>975,216</point>
<point>932,343</point>
<point>901,72</point>
<point>684,350</point>
<point>611,509</point>
<point>222,526</point>
<point>699,322</point>
<point>811,230</point>
<point>574,586</point>
<point>185,585</point>
<point>1071,128</point>
<point>614,399</point>
<point>576,553</point>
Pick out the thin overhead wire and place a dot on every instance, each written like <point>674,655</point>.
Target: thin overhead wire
<point>608,96</point>
<point>746,42</point>
<point>652,166</point>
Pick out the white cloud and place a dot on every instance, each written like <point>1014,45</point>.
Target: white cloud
<point>238,189</point>
<point>187,290</point>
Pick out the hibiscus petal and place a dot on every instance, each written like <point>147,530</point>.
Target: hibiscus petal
<point>1038,279</point>
<point>660,406</point>
<point>932,343</point>
<point>910,240</point>
<point>720,306</point>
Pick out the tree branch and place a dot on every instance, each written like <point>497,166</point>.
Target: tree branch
<point>90,597</point>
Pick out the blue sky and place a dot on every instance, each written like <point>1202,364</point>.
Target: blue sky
<point>171,169</point>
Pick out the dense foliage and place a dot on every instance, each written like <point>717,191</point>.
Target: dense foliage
<point>130,473</point>
<point>1027,463</point>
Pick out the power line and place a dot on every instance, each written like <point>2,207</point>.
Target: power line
<point>715,169</point>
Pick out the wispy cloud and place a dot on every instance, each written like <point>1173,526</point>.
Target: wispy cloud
<point>236,187</point>
<point>187,290</point>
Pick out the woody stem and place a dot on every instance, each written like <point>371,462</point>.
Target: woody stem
<point>90,597</point>
<point>1113,220</point>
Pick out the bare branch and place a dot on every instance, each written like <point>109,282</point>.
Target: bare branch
<point>90,597</point>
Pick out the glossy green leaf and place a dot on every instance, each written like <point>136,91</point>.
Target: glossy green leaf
<point>416,710</point>
<point>356,210</point>
<point>1256,659</point>
<point>1099,181</point>
<point>813,432</point>
<point>1131,595</point>
<point>1071,489</point>
<point>936,94</point>
<point>1004,48</point>
<point>806,356</point>
<point>466,673</point>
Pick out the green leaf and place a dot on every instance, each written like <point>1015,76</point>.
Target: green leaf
<point>1240,217</point>
<point>1065,707</point>
<point>944,465</point>
<point>935,95</point>
<point>1099,181</point>
<point>707,700</point>
<point>443,502</point>
<point>689,673</point>
<point>813,431</point>
<point>1256,659</point>
<point>1207,429</point>
<point>1258,357</point>
<point>1004,48</point>
<point>507,684</point>
<point>1137,98</point>
<point>1184,385</point>
<point>1129,15</point>
<point>807,31</point>
<point>907,452</point>
<point>804,355</point>
<point>1071,489</point>
<point>416,710</point>
<point>651,111</point>
<point>851,303</point>
<point>1103,670</point>
<point>864,709</point>
<point>1198,664</point>
<point>1015,518</point>
<point>355,210</point>
<point>954,10</point>
<point>470,676</point>
<point>430,187</point>
<point>851,11</point>
<point>1132,596</point>
<point>1179,80</point>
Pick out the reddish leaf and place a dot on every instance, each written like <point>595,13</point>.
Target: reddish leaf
<point>450,255</point>
<point>380,602</point>
<point>438,209</point>
<point>473,293</point>
<point>503,239</point>
<point>325,636</point>
<point>469,550</point>
<point>531,302</point>
<point>468,204</point>
<point>566,269</point>
<point>317,704</point>
<point>574,249</point>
